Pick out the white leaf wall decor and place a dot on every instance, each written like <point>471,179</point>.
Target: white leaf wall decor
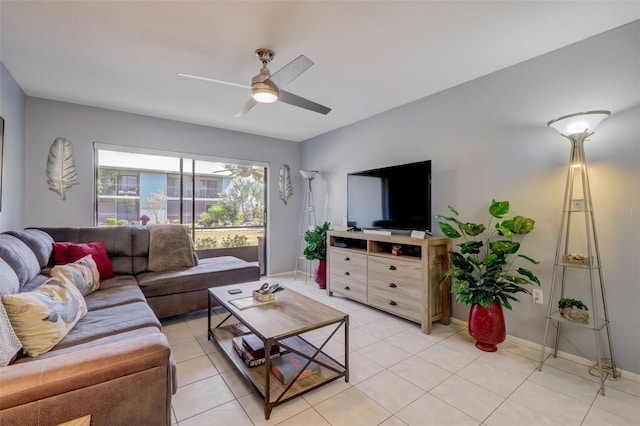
<point>284,183</point>
<point>61,173</point>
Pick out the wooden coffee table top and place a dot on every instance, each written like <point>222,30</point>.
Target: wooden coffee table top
<point>290,314</point>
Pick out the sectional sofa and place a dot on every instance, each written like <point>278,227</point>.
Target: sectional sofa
<point>114,364</point>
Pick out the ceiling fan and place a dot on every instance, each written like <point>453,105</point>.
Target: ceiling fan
<point>267,88</point>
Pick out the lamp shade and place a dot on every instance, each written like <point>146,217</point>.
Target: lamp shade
<point>308,174</point>
<point>580,122</point>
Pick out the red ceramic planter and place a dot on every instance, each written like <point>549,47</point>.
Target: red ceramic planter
<point>486,326</point>
<point>321,274</point>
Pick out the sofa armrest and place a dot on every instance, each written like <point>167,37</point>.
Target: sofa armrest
<point>124,363</point>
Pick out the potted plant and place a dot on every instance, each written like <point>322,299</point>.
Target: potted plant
<point>483,270</point>
<point>316,249</point>
<point>573,310</point>
<point>144,219</point>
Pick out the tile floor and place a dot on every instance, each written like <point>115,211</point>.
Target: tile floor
<point>399,376</point>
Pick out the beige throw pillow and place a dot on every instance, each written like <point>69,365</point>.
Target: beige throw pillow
<point>170,247</point>
<point>83,273</point>
<point>43,316</point>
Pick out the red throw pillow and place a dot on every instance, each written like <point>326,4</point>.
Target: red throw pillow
<point>99,253</point>
<point>61,253</point>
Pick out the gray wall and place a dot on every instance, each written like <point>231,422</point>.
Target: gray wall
<point>488,139</point>
<point>12,101</point>
<point>83,125</point>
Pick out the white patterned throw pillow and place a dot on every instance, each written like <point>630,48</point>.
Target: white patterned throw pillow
<point>9,342</point>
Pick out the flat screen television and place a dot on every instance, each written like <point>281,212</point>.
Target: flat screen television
<point>395,198</point>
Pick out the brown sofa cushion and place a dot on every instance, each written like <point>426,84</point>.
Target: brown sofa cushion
<point>127,246</point>
<point>109,321</point>
<point>38,241</point>
<point>210,272</point>
<point>19,257</point>
<point>114,296</point>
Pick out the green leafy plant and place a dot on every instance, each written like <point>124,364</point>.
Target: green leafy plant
<point>567,302</point>
<point>483,270</point>
<point>316,240</point>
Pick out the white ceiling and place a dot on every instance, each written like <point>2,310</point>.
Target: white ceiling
<point>370,56</point>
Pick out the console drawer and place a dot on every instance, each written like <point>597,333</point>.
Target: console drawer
<point>356,290</point>
<point>397,303</point>
<point>406,274</point>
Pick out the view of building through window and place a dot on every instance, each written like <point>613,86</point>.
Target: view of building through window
<point>222,202</point>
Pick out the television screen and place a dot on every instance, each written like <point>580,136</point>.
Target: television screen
<point>396,197</point>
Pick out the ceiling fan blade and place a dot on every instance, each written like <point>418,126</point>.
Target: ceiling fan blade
<point>213,80</point>
<point>291,71</point>
<point>295,100</point>
<point>250,104</point>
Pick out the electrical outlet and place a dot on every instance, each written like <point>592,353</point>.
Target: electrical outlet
<point>536,295</point>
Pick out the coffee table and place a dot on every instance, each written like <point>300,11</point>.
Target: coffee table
<point>280,322</point>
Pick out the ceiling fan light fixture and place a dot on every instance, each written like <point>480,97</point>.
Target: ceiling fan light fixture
<point>264,93</point>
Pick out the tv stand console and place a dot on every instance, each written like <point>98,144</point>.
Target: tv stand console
<point>361,266</point>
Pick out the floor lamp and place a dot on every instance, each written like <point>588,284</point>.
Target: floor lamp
<point>578,208</point>
<point>308,218</point>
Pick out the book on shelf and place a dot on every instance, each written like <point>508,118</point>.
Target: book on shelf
<point>255,346</point>
<point>246,357</point>
<point>239,329</point>
<point>289,364</point>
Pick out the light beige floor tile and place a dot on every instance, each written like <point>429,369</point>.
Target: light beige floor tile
<point>624,384</point>
<point>390,391</point>
<point>549,403</point>
<point>525,351</point>
<point>195,369</point>
<point>174,421</point>
<point>364,316</point>
<point>352,408</point>
<point>198,326</point>
<point>420,372</point>
<point>620,403</point>
<point>200,396</point>
<point>385,327</point>
<point>412,340</point>
<point>187,350</point>
<point>333,348</point>
<point>326,391</point>
<point>393,421</point>
<point>509,361</point>
<point>230,413</point>
<point>509,414</point>
<point>461,342</point>
<point>208,346</point>
<point>569,367</point>
<point>236,383</point>
<point>358,339</point>
<point>308,417</point>
<point>447,358</point>
<point>221,361</point>
<point>440,330</point>
<point>384,353</point>
<point>467,397</point>
<point>361,367</point>
<point>491,377</point>
<point>177,332</point>
<point>254,408</point>
<point>431,411</point>
<point>598,417</point>
<point>568,384</point>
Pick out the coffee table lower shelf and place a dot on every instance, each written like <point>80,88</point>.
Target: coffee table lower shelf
<point>258,378</point>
